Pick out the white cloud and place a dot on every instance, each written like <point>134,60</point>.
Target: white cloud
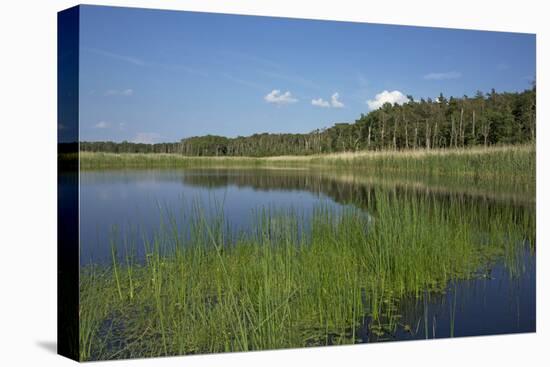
<point>386,97</point>
<point>334,102</point>
<point>146,138</point>
<point>443,76</point>
<point>319,102</point>
<point>102,125</point>
<point>123,92</point>
<point>275,96</point>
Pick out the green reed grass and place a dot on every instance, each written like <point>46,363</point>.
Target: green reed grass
<point>294,281</point>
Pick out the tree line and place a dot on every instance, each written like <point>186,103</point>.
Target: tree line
<point>482,120</point>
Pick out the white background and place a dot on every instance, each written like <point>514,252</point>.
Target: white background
<point>28,181</point>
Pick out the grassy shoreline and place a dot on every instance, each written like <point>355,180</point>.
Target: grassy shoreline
<point>480,162</point>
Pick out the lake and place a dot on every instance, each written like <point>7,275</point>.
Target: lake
<point>125,208</point>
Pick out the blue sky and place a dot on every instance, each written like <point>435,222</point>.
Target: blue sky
<point>154,76</point>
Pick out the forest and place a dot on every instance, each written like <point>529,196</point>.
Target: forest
<point>486,119</point>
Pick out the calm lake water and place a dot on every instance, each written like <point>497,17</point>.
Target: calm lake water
<point>128,206</point>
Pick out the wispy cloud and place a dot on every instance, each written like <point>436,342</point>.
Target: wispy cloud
<point>116,56</point>
<point>443,76</point>
<point>108,125</point>
<point>386,97</point>
<point>362,80</point>
<point>249,58</point>
<point>141,62</point>
<point>146,138</point>
<point>278,98</point>
<point>334,102</point>
<point>290,78</point>
<point>119,92</point>
<point>102,125</point>
<point>244,82</point>
<point>503,66</point>
<point>182,67</point>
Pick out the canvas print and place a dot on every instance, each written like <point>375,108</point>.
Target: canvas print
<point>235,183</point>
